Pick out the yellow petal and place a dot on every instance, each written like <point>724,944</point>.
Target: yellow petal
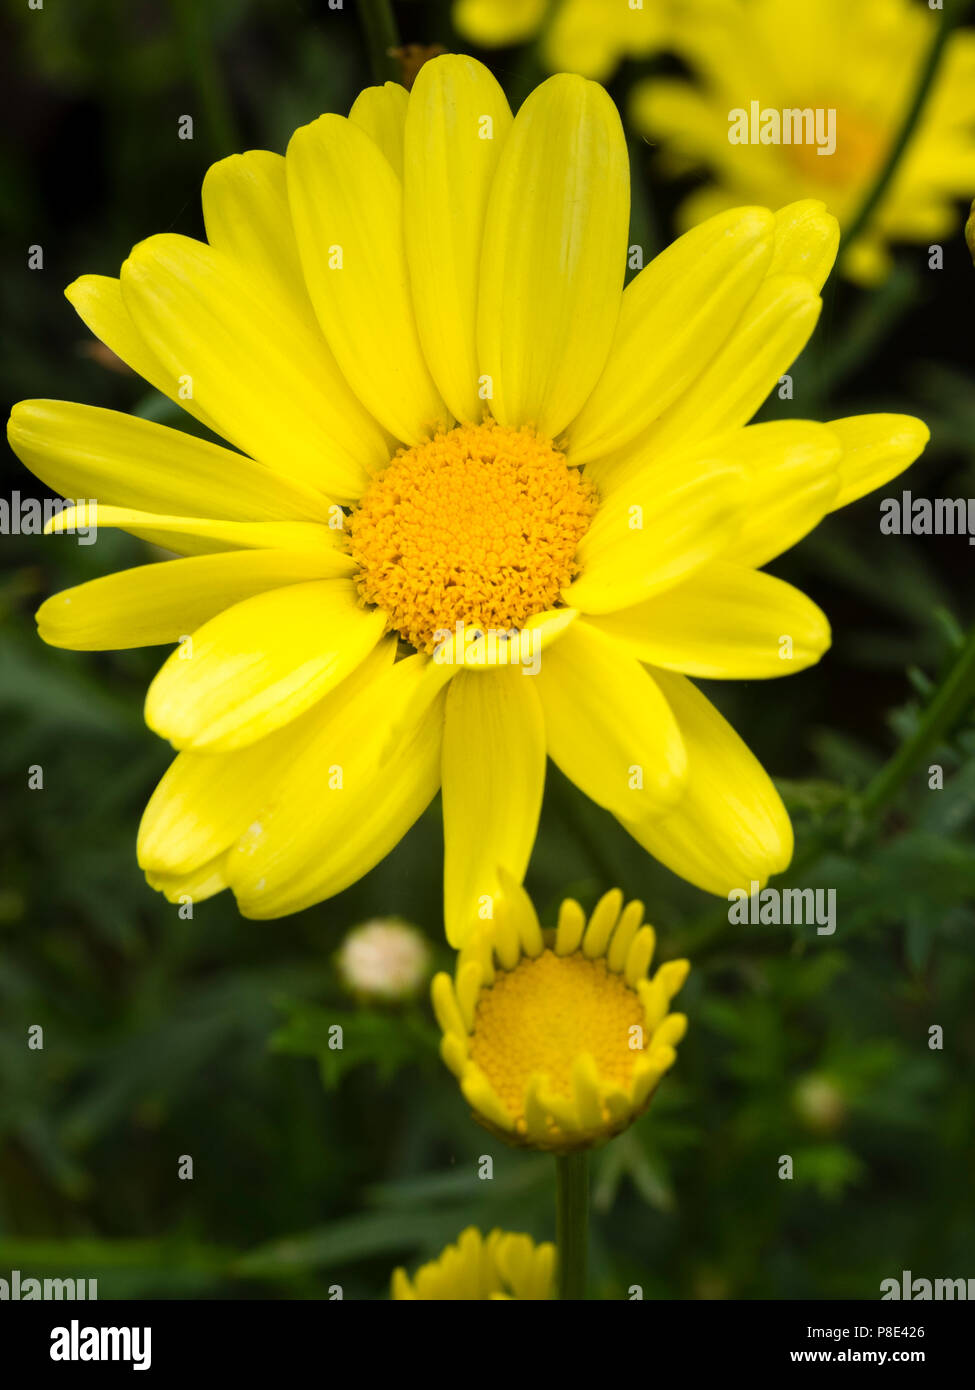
<point>554,254</point>
<point>347,206</point>
<point>446,1006</point>
<point>648,1071</point>
<point>536,1115</point>
<point>345,803</point>
<point>730,827</point>
<point>670,1032</point>
<point>634,954</point>
<point>196,887</point>
<point>82,451</point>
<point>806,241</point>
<point>675,316</point>
<point>247,219</point>
<point>481,1096</point>
<point>631,759</point>
<point>629,924</point>
<point>671,976</point>
<point>725,622</point>
<point>174,837</point>
<point>205,801</point>
<point>479,948</point>
<point>639,954</point>
<point>601,924</point>
<point>518,907</point>
<point>651,993</point>
<point>194,535</point>
<point>792,482</point>
<point>255,363</point>
<point>474,650</point>
<point>469,977</point>
<point>162,603</point>
<point>456,126</point>
<point>647,536</point>
<point>514,1256</point>
<point>454,1051</point>
<point>875,449</point>
<point>571,925</point>
<point>97,300</point>
<point>493,775</point>
<point>543,1273</point>
<point>505,938</point>
<point>560,1108</point>
<point>381,113</point>
<point>585,1091</point>
<point>260,664</point>
<point>767,339</point>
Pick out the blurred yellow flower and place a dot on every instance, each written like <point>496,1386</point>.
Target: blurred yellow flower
<point>501,1265</point>
<point>859,61</point>
<point>557,1037</point>
<point>489,509</point>
<point>820,1102</point>
<point>583,36</point>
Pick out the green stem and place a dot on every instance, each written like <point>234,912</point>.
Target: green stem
<point>572,1221</point>
<point>382,37</point>
<point>949,18</point>
<point>954,693</point>
<point>197,41</point>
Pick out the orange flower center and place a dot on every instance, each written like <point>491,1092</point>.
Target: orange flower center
<point>860,146</point>
<point>478,526</point>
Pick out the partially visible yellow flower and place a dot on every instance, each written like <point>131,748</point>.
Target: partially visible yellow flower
<point>585,36</point>
<point>859,58</point>
<point>559,1038</point>
<point>500,1266</point>
<point>384,959</point>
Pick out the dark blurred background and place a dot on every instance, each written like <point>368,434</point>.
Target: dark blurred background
<point>165,1037</point>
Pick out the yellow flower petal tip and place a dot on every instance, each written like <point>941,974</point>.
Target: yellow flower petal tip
<point>500,1265</point>
<point>561,1046</point>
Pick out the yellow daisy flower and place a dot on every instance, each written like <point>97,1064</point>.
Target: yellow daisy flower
<point>559,1038</point>
<point>588,37</point>
<point>862,62</point>
<point>450,420</point>
<point>500,1266</point>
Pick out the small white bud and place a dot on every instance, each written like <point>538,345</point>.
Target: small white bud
<point>384,959</point>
